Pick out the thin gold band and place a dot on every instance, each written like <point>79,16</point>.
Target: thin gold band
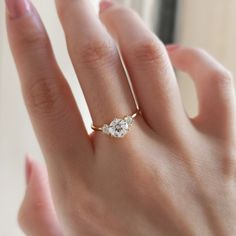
<point>97,128</point>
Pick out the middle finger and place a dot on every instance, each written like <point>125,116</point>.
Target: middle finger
<point>96,61</point>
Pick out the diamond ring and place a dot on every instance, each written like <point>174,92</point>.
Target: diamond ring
<point>119,127</point>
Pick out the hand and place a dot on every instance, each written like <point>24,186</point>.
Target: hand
<point>170,175</point>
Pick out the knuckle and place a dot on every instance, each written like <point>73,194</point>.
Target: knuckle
<point>34,37</point>
<point>149,50</point>
<point>96,52</point>
<point>219,74</point>
<point>42,96</point>
<point>222,77</point>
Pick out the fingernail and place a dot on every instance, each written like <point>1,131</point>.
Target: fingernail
<point>28,168</point>
<point>105,4</point>
<point>17,8</point>
<point>172,47</point>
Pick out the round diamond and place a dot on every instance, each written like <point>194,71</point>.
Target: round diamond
<point>118,128</point>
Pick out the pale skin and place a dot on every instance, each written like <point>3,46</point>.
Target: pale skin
<point>171,174</point>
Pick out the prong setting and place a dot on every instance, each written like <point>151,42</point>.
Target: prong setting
<point>119,127</point>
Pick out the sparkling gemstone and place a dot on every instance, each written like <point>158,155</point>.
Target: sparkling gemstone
<point>105,129</point>
<point>129,120</point>
<point>118,128</point>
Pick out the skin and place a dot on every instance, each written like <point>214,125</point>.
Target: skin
<point>171,175</point>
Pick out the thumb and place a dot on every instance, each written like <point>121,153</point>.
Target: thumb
<point>37,215</point>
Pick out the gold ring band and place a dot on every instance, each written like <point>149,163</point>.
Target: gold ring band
<point>119,127</point>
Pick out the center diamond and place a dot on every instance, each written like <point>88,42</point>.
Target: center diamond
<point>118,128</point>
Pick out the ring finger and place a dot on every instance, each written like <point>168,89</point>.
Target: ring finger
<point>149,68</point>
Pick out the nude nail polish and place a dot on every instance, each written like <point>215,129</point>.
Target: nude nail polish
<point>172,47</point>
<point>17,8</point>
<point>105,4</point>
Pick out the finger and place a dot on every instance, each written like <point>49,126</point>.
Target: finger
<point>96,61</point>
<point>214,86</point>
<point>52,108</point>
<point>37,215</point>
<point>148,65</point>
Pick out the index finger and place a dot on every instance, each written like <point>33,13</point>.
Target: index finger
<point>52,108</point>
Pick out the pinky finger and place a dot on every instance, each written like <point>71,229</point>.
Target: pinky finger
<point>214,84</point>
<point>37,215</point>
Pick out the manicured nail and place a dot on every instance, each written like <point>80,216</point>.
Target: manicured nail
<point>105,4</point>
<point>17,8</point>
<point>172,47</point>
<point>28,168</point>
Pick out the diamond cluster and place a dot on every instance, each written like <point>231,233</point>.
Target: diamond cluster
<point>118,128</point>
